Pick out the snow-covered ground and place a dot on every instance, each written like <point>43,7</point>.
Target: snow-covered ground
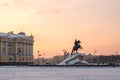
<point>59,73</point>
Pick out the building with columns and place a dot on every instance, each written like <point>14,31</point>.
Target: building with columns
<point>16,48</point>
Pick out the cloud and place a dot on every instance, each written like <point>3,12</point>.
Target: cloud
<point>6,7</point>
<point>35,6</point>
<point>5,4</point>
<point>40,12</point>
<point>56,11</point>
<point>49,11</point>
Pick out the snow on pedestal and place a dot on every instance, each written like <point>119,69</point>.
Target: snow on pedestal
<point>72,59</point>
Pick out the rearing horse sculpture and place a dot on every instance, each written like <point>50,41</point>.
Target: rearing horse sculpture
<point>76,46</point>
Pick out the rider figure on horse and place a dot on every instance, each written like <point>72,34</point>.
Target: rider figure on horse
<point>76,46</point>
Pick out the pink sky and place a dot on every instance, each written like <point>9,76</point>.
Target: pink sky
<point>55,24</point>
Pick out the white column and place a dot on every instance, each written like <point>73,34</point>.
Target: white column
<point>30,50</point>
<point>24,50</point>
<point>6,48</point>
<point>16,49</point>
<point>27,50</point>
<point>1,47</point>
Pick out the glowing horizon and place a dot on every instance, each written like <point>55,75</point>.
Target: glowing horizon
<point>55,24</point>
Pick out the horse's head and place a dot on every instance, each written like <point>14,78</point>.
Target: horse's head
<point>79,41</point>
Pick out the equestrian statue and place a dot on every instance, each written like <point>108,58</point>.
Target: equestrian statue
<point>76,46</point>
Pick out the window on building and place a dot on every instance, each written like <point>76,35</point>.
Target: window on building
<point>26,59</point>
<point>4,48</point>
<point>22,59</point>
<point>9,48</point>
<point>0,48</point>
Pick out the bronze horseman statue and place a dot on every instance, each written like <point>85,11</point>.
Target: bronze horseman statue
<point>76,46</point>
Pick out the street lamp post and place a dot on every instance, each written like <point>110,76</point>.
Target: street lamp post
<point>94,56</point>
<point>43,57</point>
<point>117,60</point>
<point>38,56</point>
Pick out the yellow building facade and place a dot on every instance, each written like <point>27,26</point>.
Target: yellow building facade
<point>16,48</point>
